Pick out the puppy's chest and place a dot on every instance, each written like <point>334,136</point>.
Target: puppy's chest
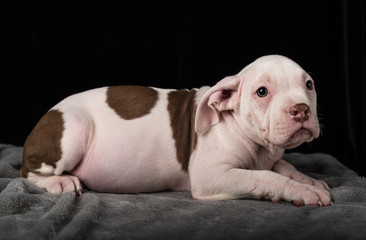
<point>265,160</point>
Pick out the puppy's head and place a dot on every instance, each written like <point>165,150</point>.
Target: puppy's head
<point>272,100</point>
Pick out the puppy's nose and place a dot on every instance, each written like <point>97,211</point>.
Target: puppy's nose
<point>300,112</point>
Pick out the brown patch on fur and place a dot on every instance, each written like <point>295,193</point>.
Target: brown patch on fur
<point>182,111</point>
<point>131,102</point>
<point>43,144</point>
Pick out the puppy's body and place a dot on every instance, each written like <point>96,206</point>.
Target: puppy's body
<point>222,142</point>
<point>110,150</point>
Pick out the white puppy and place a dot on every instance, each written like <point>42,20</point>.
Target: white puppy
<point>223,142</point>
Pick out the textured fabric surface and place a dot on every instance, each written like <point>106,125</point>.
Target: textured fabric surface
<point>28,212</point>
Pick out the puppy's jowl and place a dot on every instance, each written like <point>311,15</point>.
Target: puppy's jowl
<point>220,142</point>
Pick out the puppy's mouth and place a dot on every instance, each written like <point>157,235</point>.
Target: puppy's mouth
<point>299,136</point>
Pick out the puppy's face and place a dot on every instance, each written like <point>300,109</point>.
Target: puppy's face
<point>278,103</point>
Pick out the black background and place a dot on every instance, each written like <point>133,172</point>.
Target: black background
<point>54,49</point>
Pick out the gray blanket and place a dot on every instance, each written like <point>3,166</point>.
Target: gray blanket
<point>28,212</point>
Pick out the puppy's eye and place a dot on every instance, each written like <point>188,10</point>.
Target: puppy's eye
<point>309,85</point>
<point>262,92</point>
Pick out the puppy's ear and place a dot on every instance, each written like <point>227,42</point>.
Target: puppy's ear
<point>224,96</point>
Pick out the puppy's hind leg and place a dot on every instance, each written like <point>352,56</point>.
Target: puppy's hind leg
<point>46,156</point>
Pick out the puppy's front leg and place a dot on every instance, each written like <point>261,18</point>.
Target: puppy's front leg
<point>286,169</point>
<point>238,183</point>
<point>241,183</point>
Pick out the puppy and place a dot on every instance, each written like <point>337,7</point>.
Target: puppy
<point>223,142</point>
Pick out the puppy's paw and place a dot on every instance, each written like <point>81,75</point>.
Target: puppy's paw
<point>302,178</point>
<point>311,181</point>
<point>58,184</point>
<point>305,194</point>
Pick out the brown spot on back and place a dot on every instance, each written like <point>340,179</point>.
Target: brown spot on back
<point>131,102</point>
<point>182,110</point>
<point>43,144</point>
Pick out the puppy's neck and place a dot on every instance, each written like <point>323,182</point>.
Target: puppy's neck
<point>259,155</point>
